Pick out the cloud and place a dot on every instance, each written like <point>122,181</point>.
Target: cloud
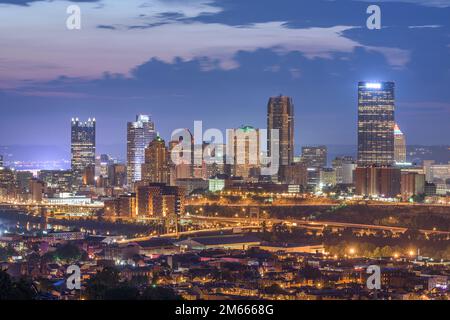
<point>433,26</point>
<point>428,3</point>
<point>28,2</point>
<point>106,43</point>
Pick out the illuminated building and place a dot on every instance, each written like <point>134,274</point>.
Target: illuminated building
<point>156,166</point>
<point>89,175</point>
<point>327,177</point>
<point>376,123</point>
<point>378,181</point>
<point>23,180</point>
<point>296,174</point>
<point>344,167</point>
<point>123,206</point>
<point>216,184</point>
<point>245,151</point>
<point>1,161</point>
<point>314,158</point>
<point>66,198</point>
<point>412,184</point>
<point>83,147</point>
<point>159,200</point>
<point>101,165</point>
<point>117,174</point>
<point>57,180</point>
<point>7,181</point>
<point>192,184</point>
<point>36,188</point>
<point>430,189</point>
<point>214,158</point>
<point>181,157</point>
<point>280,116</point>
<point>139,134</point>
<point>399,145</point>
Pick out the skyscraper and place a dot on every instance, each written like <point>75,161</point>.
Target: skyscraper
<point>314,157</point>
<point>280,116</point>
<point>245,151</point>
<point>82,147</point>
<point>139,135</point>
<point>399,145</point>
<point>155,169</point>
<point>376,123</point>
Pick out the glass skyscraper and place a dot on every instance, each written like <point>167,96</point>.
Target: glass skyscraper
<point>280,116</point>
<point>376,123</point>
<point>82,147</point>
<point>139,135</point>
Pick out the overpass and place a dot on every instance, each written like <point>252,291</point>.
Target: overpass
<point>317,224</point>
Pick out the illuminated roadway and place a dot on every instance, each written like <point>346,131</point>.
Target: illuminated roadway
<point>317,224</point>
<point>292,222</point>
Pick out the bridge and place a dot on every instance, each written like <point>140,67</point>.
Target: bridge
<point>249,223</point>
<point>318,224</point>
<point>52,208</point>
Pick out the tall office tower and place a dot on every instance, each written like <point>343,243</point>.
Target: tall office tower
<point>314,157</point>
<point>245,150</point>
<point>155,169</point>
<point>83,148</point>
<point>139,135</point>
<point>117,174</point>
<point>215,154</point>
<point>23,180</point>
<point>399,145</point>
<point>36,188</point>
<point>101,165</point>
<point>376,123</point>
<point>1,161</point>
<point>181,156</point>
<point>280,116</point>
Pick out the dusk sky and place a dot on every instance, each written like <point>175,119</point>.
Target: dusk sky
<point>219,61</point>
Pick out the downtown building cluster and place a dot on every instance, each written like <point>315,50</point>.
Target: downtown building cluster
<point>380,169</point>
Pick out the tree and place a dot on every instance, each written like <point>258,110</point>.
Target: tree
<point>100,283</point>
<point>5,285</point>
<point>309,272</point>
<point>159,293</point>
<point>122,292</point>
<point>15,290</point>
<point>68,252</point>
<point>274,289</point>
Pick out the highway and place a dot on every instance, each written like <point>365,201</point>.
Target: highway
<point>319,224</point>
<point>246,223</point>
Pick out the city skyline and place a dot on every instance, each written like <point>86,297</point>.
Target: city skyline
<point>408,50</point>
<point>234,152</point>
